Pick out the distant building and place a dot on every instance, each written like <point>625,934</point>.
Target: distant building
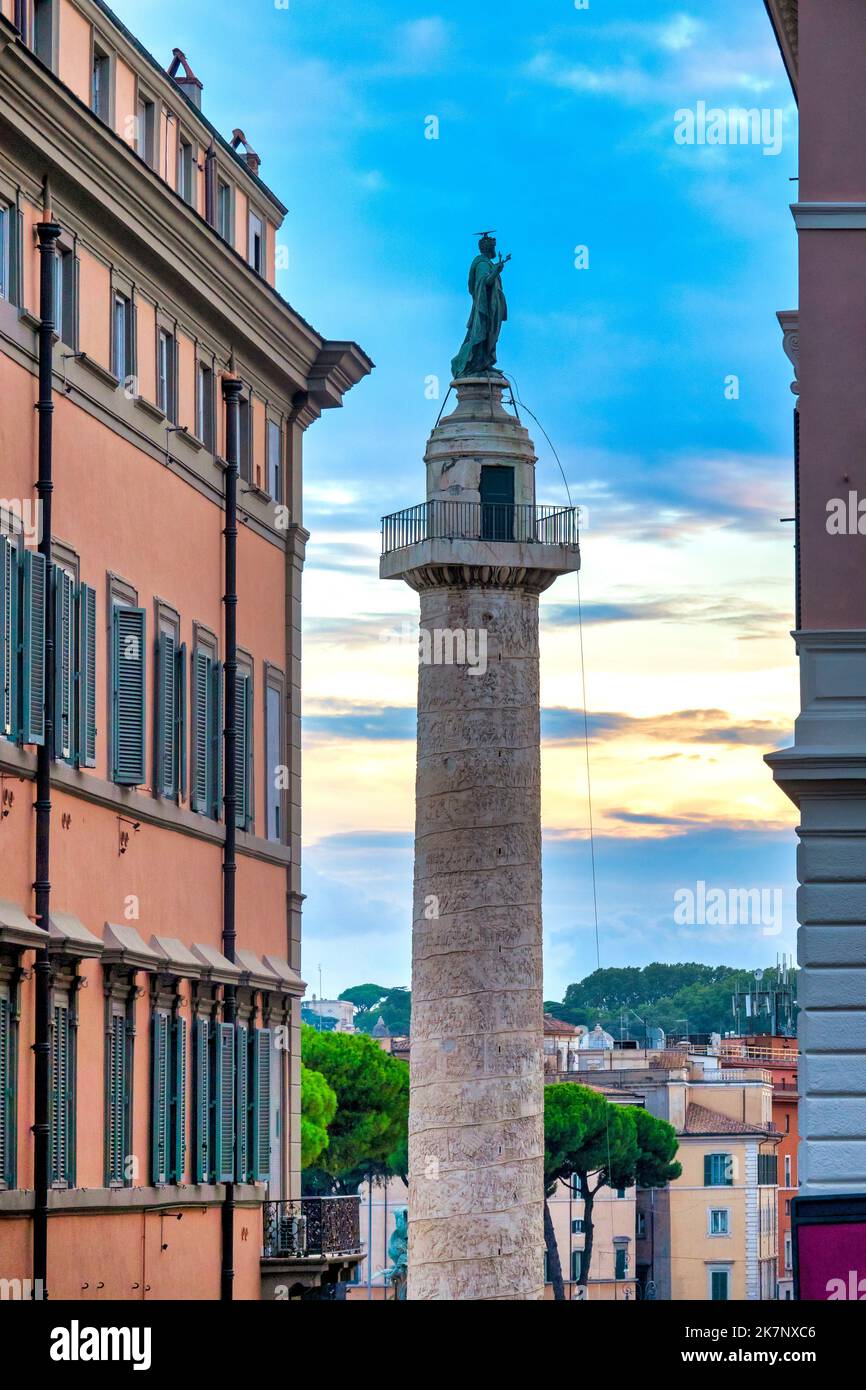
<point>330,1015</point>
<point>561,1041</point>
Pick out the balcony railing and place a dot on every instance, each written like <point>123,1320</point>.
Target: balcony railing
<point>485,521</point>
<point>312,1226</point>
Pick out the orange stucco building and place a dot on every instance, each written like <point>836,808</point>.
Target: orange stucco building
<point>173,1062</point>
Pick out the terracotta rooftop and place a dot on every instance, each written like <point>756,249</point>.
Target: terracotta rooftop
<point>556,1025</point>
<point>699,1120</point>
<point>669,1061</point>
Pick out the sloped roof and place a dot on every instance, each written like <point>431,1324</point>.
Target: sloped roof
<point>699,1120</point>
<point>556,1025</point>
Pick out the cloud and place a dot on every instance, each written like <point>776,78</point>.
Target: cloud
<point>700,726</point>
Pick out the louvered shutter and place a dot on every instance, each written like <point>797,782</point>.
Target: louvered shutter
<point>8,638</point>
<point>217,732</point>
<point>224,1102</point>
<point>180,727</point>
<point>166,716</point>
<point>87,676</point>
<point>64,665</point>
<point>16,258</point>
<point>242,1102</point>
<point>178,1100</point>
<point>201,732</point>
<point>7,1096</point>
<point>128,676</point>
<point>243,749</point>
<point>160,1094</point>
<point>33,645</point>
<point>61,1097</point>
<point>260,1128</point>
<point>202,1166</point>
<point>116,1101</point>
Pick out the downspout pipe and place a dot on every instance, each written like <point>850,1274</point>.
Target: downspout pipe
<point>232,388</point>
<point>48,232</point>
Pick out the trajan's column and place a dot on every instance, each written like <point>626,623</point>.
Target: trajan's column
<point>479,552</point>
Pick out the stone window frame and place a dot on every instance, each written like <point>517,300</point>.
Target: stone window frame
<point>275,679</point>
<point>719,1235</point>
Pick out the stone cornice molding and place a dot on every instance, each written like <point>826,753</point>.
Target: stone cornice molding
<point>784,18</point>
<point>789,321</point>
<point>829,217</point>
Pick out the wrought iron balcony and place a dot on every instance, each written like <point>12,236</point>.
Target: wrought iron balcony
<point>317,1226</point>
<point>480,521</point>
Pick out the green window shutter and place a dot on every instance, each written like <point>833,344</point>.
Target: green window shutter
<point>33,648</point>
<point>180,726</point>
<point>166,716</point>
<point>7,1096</point>
<point>260,1129</point>
<point>76,303</point>
<point>8,639</point>
<point>116,1094</point>
<point>87,676</point>
<point>160,1097</point>
<point>16,258</point>
<point>708,1170</point>
<point>128,695</point>
<point>178,1100</point>
<point>619,1264</point>
<point>224,1102</point>
<point>62,1098</point>
<point>202,1165</point>
<point>64,664</point>
<point>243,749</point>
<point>217,730</point>
<point>242,1102</point>
<point>200,778</point>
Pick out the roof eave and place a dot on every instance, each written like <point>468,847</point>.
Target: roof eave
<point>784,18</point>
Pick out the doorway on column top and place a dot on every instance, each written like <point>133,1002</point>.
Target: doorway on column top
<point>497,502</point>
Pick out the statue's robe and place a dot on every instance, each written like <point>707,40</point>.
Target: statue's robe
<point>489,311</point>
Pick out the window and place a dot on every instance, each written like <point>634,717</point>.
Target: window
<point>641,1225</point>
<point>260,1107</point>
<point>64,664</point>
<point>22,643</point>
<point>620,1270</point>
<point>145,131</point>
<point>66,297</point>
<point>168,1097</point>
<point>275,461</point>
<point>244,749</point>
<point>62,1092</point>
<point>275,775</point>
<point>787,1124</point>
<point>245,442</point>
<point>225,210</point>
<point>788,1207</point>
<point>207,730</point>
<point>8,1087</point>
<point>768,1170</point>
<point>223,1103</point>
<point>5,251</point>
<point>169,777</point>
<point>100,95</point>
<point>201,1100</point>
<point>128,668</point>
<point>123,339</point>
<point>166,358</point>
<point>256,244</point>
<point>718,1170</point>
<point>789,1256</point>
<point>576,1265</point>
<point>185,165</point>
<point>118,1074</point>
<point>720,1285</point>
<point>43,31</point>
<point>787,1170</point>
<point>620,1193</point>
<point>578,1226</point>
<point>205,405</point>
<point>720,1222</point>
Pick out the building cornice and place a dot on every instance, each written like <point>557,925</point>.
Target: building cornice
<point>831,217</point>
<point>91,166</point>
<point>784,18</point>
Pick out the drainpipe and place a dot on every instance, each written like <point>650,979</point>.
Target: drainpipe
<point>232,387</point>
<point>47,232</point>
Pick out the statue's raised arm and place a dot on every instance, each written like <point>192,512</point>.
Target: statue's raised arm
<point>477,356</point>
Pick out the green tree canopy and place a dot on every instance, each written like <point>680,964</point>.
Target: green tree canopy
<point>367,1136</point>
<point>318,1107</point>
<point>394,1008</point>
<point>364,996</point>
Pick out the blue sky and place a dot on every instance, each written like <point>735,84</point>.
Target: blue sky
<point>556,127</point>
